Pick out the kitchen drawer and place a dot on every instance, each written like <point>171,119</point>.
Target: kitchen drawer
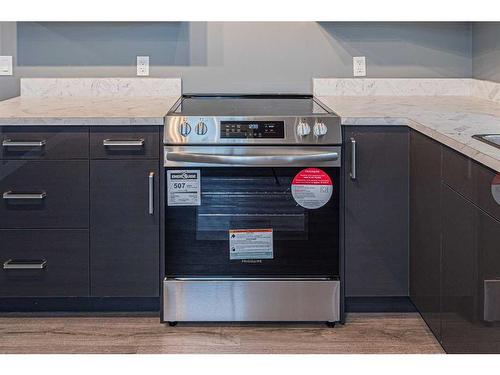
<point>44,143</point>
<point>487,187</point>
<point>458,172</point>
<point>473,180</point>
<point>131,142</point>
<point>63,254</point>
<point>44,194</point>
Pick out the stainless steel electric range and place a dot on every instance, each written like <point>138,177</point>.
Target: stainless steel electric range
<point>252,207</point>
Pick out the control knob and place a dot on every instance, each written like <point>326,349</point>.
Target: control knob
<point>303,129</point>
<point>320,129</point>
<point>185,129</point>
<point>201,128</point>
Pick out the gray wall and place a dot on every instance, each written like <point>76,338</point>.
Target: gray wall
<point>239,56</point>
<point>9,86</point>
<point>486,51</point>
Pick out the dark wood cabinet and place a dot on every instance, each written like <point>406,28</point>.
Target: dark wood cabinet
<point>485,333</point>
<point>471,277</point>
<point>124,233</point>
<point>376,211</point>
<point>80,212</point>
<point>58,263</point>
<point>459,271</point>
<point>44,142</point>
<point>487,190</point>
<point>124,142</point>
<point>458,173</point>
<point>425,229</point>
<point>472,180</point>
<point>44,194</point>
<point>454,261</point>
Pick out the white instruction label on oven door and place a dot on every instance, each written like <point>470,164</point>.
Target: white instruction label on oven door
<point>183,187</point>
<point>250,244</point>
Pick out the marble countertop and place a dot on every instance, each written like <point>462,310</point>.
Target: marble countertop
<point>81,110</point>
<point>448,110</point>
<point>451,120</point>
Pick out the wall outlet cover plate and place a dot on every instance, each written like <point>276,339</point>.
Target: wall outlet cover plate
<point>359,66</point>
<point>5,65</point>
<point>143,65</point>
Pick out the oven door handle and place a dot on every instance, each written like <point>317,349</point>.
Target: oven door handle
<point>258,160</point>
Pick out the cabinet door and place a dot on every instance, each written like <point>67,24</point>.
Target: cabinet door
<point>425,233</point>
<point>376,212</point>
<point>124,240</point>
<point>486,332</point>
<point>487,190</point>
<point>459,272</point>
<point>473,180</point>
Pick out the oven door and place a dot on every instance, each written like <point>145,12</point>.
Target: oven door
<point>245,221</point>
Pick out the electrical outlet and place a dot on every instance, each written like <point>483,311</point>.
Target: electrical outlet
<point>143,65</point>
<point>359,66</point>
<point>5,65</point>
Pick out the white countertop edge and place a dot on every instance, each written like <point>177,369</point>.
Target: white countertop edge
<point>456,145</point>
<point>374,121</point>
<point>82,111</point>
<point>81,121</point>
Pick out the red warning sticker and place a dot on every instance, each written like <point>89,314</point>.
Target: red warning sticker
<point>312,188</point>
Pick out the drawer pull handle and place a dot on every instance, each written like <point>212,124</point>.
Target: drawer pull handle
<point>353,174</point>
<point>123,143</point>
<point>11,143</point>
<point>24,264</point>
<point>32,196</point>
<point>151,179</point>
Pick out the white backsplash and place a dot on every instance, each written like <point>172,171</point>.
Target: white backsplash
<point>406,87</point>
<point>100,87</point>
<point>391,86</point>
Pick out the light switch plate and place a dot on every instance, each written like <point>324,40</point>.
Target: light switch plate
<point>359,66</point>
<point>143,65</point>
<point>5,65</point>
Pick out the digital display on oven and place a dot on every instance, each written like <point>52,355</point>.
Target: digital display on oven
<point>252,129</point>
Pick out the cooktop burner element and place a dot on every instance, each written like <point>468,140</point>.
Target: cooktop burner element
<point>251,119</point>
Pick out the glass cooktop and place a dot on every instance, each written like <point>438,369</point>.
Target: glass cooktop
<point>249,105</point>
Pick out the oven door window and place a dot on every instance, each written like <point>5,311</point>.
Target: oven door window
<point>304,242</point>
<point>254,202</point>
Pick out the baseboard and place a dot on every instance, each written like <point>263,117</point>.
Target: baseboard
<point>152,304</point>
<point>379,304</point>
<point>80,304</point>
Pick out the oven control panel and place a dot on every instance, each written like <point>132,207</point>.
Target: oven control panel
<point>317,130</point>
<point>252,129</point>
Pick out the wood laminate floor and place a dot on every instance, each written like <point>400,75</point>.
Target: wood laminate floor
<point>362,333</point>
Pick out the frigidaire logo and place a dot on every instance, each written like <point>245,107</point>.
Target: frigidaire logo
<point>183,176</point>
